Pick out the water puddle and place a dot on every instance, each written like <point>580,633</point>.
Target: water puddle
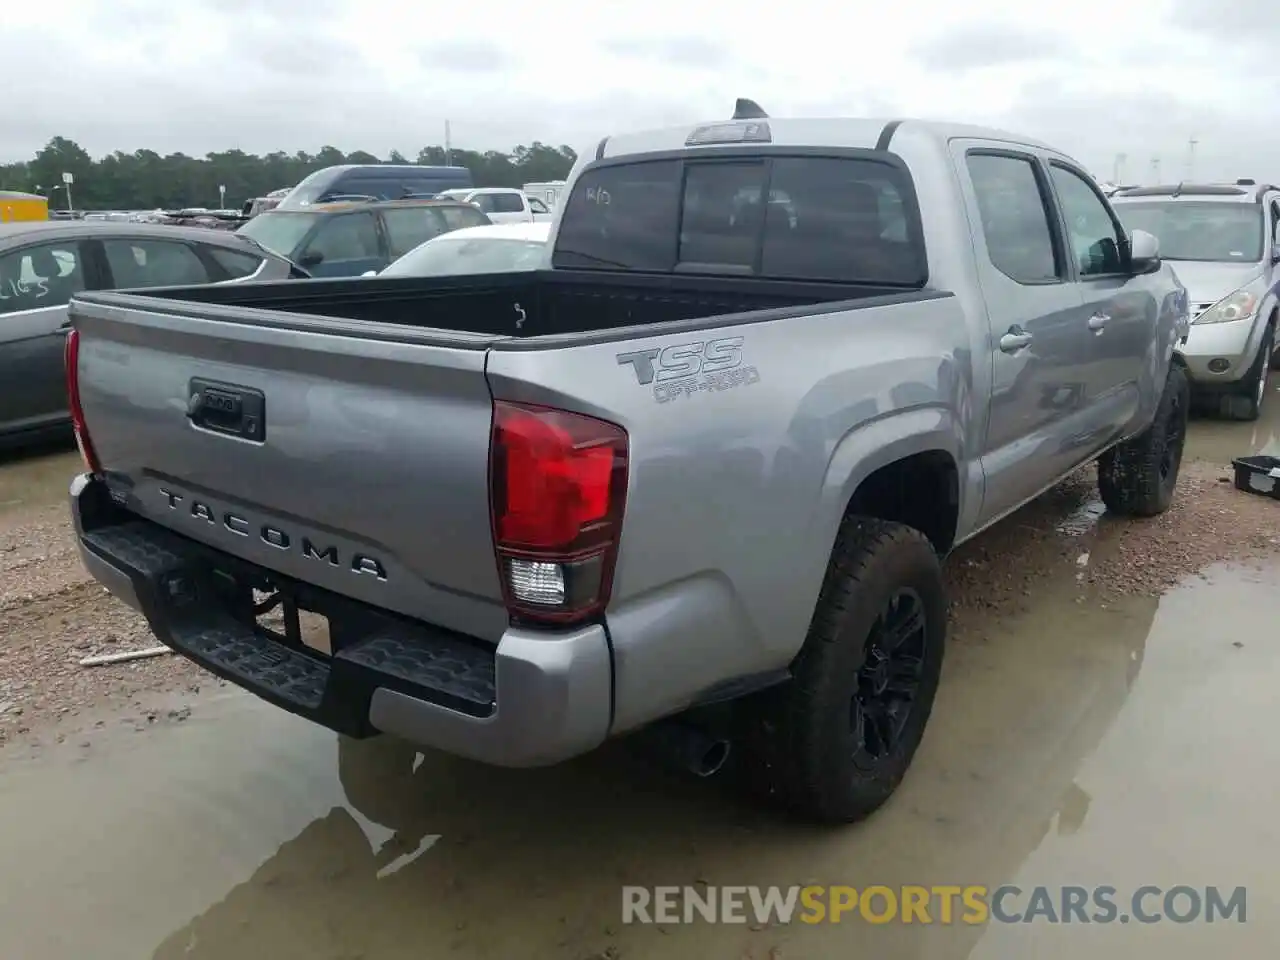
<point>1078,743</point>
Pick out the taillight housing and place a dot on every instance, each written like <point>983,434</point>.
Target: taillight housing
<point>557,488</point>
<point>71,362</point>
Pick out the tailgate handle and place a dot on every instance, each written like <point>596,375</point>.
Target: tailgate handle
<point>227,409</point>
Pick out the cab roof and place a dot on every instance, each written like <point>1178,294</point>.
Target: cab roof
<point>1241,191</point>
<point>843,132</point>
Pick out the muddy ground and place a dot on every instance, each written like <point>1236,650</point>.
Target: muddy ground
<point>1107,679</point>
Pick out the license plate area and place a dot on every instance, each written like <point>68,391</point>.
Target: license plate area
<point>279,615</point>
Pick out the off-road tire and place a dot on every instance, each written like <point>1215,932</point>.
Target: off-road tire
<point>1245,403</point>
<point>801,750</point>
<point>1135,478</point>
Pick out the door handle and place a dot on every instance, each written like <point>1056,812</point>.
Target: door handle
<point>1098,322</point>
<point>1015,340</point>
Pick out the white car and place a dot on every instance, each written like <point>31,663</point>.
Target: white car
<point>1223,241</point>
<point>503,204</point>
<point>495,248</point>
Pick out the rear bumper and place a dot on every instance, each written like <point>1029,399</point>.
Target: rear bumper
<point>534,700</point>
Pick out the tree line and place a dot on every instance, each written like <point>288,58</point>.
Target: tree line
<point>145,180</point>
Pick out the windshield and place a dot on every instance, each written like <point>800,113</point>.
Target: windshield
<point>279,232</point>
<point>453,255</point>
<point>1195,230</point>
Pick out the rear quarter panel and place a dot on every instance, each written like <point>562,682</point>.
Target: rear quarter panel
<point>739,477</point>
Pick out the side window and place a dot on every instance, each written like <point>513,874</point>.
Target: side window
<point>44,275</point>
<point>1015,217</point>
<point>351,236</point>
<point>507,203</point>
<point>153,263</point>
<point>462,216</point>
<point>238,265</point>
<point>409,226</point>
<point>484,201</point>
<point>1274,238</point>
<point>1093,234</point>
<point>537,206</point>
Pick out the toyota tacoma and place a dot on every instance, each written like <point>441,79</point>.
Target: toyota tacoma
<point>711,455</point>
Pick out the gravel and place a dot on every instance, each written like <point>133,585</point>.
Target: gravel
<point>52,614</point>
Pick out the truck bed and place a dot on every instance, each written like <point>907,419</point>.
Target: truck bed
<point>518,305</point>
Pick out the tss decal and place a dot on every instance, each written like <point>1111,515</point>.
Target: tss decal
<point>687,369</point>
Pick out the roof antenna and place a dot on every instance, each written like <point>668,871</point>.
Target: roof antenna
<point>745,109</point>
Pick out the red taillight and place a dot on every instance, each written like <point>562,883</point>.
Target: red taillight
<point>71,361</point>
<point>557,483</point>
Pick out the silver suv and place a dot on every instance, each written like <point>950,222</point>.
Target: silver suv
<point>1224,244</point>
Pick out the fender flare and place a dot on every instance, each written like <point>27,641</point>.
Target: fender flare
<point>875,444</point>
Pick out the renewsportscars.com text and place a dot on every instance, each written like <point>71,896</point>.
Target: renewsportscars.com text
<point>943,905</point>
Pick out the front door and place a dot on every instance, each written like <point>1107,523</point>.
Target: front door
<point>36,283</point>
<point>1037,347</point>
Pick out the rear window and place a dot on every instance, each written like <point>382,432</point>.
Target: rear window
<point>799,218</point>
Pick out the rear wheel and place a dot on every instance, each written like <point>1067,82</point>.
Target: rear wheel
<point>834,742</point>
<point>1246,402</point>
<point>1138,477</point>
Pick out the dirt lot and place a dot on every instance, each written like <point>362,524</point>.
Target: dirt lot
<point>1092,727</point>
<point>52,615</point>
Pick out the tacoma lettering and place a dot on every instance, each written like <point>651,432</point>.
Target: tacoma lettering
<point>330,554</point>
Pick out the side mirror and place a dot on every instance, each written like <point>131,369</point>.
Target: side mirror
<point>310,258</point>
<point>1144,252</point>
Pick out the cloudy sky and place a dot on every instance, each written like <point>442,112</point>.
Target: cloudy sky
<point>1095,77</point>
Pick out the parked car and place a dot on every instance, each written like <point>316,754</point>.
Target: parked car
<point>382,181</point>
<point>499,248</point>
<point>707,462</point>
<point>42,264</point>
<point>1224,242</point>
<point>350,239</point>
<point>504,204</point>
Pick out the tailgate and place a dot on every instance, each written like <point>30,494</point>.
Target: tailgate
<point>358,463</point>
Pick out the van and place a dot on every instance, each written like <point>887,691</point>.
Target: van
<point>383,181</point>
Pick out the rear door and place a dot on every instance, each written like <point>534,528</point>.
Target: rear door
<point>1118,310</point>
<point>348,245</point>
<point>1039,349</point>
<point>36,282</point>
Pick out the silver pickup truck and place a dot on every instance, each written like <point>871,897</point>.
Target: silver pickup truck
<point>695,478</point>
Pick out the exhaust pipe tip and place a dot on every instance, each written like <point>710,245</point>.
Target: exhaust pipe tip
<point>685,748</point>
<point>713,757</point>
